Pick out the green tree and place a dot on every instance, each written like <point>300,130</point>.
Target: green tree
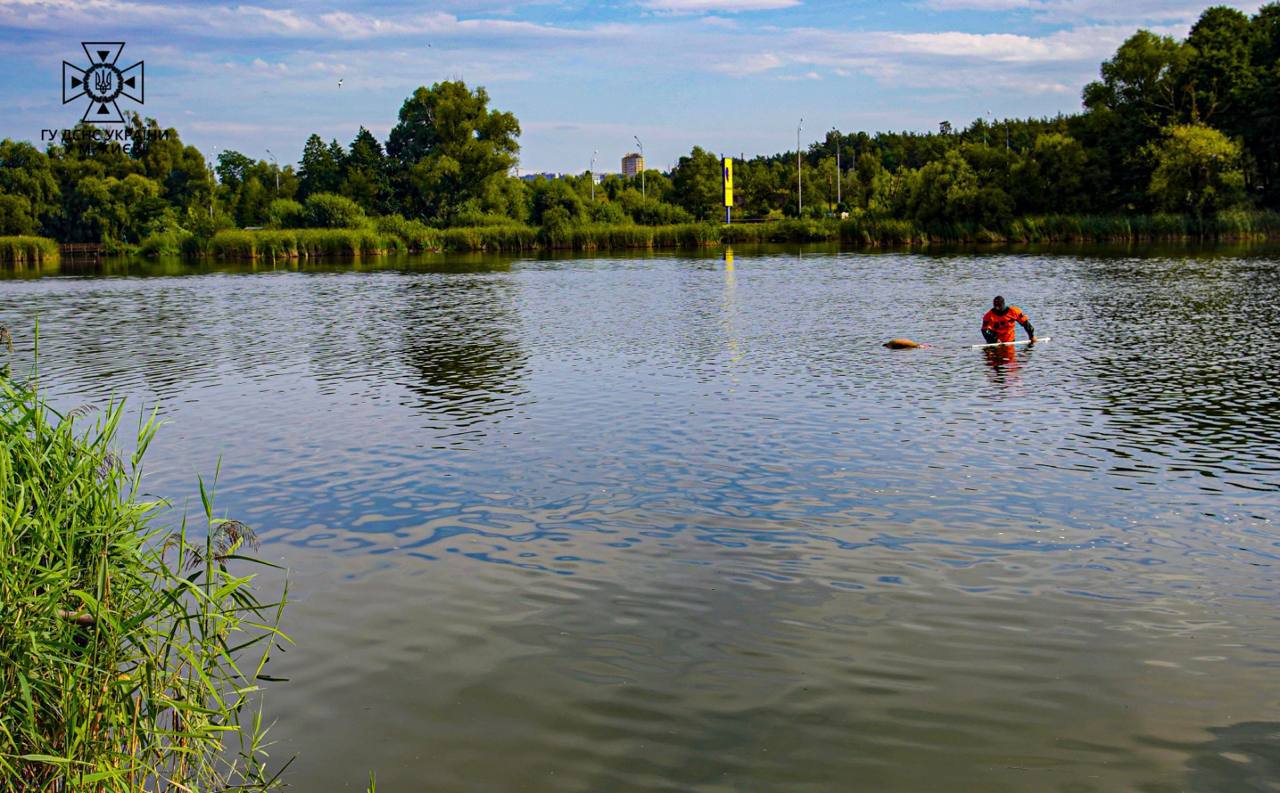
<point>873,183</point>
<point>1219,77</point>
<point>1054,177</point>
<point>944,190</point>
<point>232,168</point>
<point>26,173</point>
<point>144,209</point>
<point>320,170</point>
<point>509,197</point>
<point>1196,170</point>
<point>188,183</point>
<point>698,183</point>
<point>1142,91</point>
<point>94,213</point>
<point>1260,125</point>
<point>364,178</point>
<point>448,148</point>
<point>1144,80</point>
<point>758,189</point>
<point>251,202</point>
<point>15,215</point>
<point>559,195</point>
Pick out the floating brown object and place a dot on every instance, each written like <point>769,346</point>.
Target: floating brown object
<point>902,344</point>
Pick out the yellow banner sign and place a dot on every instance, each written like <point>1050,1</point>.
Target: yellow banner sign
<point>728,181</point>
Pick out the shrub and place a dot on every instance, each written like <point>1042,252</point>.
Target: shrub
<point>332,211</point>
<point>285,213</point>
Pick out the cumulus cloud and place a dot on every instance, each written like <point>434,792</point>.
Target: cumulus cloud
<point>1086,12</point>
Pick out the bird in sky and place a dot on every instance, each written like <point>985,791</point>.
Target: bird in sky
<point>339,82</point>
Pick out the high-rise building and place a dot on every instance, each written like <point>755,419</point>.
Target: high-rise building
<point>632,164</point>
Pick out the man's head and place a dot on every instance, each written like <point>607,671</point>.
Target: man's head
<point>998,304</point>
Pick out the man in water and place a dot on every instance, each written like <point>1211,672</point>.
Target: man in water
<point>997,324</point>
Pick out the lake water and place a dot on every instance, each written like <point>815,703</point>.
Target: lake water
<point>652,523</point>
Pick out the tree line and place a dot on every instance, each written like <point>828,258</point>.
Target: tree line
<point>1179,126</point>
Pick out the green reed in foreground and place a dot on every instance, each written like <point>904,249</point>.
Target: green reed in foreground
<point>130,658</point>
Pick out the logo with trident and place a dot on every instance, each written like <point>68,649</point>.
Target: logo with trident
<point>102,81</point>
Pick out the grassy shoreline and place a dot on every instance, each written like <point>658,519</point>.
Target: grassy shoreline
<point>398,236</point>
<point>857,232</point>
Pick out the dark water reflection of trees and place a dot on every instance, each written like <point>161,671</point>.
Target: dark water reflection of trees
<point>460,344</point>
<point>1185,355</point>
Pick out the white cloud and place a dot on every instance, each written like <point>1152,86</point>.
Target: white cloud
<point>710,6</point>
<point>1071,45</point>
<point>982,5</point>
<point>236,20</point>
<point>1085,12</point>
<point>752,63</point>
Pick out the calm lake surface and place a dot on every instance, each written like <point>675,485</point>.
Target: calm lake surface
<point>649,523</point>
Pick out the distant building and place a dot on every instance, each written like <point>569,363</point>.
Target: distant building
<point>632,164</point>
<point>529,177</point>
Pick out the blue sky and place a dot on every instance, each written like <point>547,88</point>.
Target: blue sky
<point>733,76</point>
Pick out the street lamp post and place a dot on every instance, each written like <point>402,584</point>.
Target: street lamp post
<point>277,167</point>
<point>641,145</point>
<point>799,179</point>
<point>833,129</point>
<point>592,174</point>
<point>213,172</point>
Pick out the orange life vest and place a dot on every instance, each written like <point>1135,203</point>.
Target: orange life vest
<point>1004,325</point>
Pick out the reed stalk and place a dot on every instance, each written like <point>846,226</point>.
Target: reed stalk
<point>131,653</point>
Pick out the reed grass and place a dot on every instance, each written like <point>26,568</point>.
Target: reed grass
<point>395,233</point>
<point>27,250</point>
<point>497,238</point>
<point>131,654</point>
<point>275,244</point>
<point>163,243</point>
<point>416,235</point>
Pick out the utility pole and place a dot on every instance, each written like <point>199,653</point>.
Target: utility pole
<point>799,179</point>
<point>592,174</point>
<point>641,145</point>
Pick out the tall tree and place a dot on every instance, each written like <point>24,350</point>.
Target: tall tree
<point>1260,126</point>
<point>320,170</point>
<point>447,147</point>
<point>364,178</point>
<point>1219,77</point>
<point>232,168</point>
<point>1141,92</point>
